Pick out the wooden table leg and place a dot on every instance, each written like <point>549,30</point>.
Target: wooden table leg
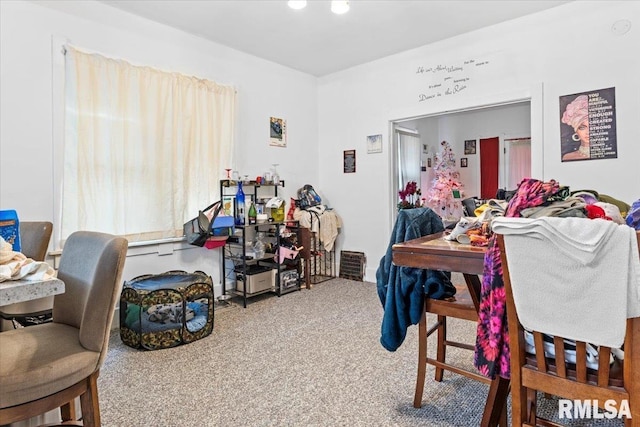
<point>496,406</point>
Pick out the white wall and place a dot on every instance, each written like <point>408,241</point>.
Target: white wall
<point>28,145</point>
<point>561,51</point>
<point>557,52</point>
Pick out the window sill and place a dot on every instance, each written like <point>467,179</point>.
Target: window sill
<point>159,247</point>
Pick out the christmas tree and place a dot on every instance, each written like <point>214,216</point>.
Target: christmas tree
<point>447,181</point>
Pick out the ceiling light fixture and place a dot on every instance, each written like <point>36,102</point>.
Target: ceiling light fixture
<point>297,4</point>
<point>339,6</point>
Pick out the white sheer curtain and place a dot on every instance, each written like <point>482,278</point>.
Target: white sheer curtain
<point>144,149</point>
<point>408,158</point>
<point>519,165</point>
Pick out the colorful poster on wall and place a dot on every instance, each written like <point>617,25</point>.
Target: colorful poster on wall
<point>588,125</point>
<point>278,132</point>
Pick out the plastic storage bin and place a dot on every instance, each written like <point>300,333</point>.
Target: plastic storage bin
<point>258,279</point>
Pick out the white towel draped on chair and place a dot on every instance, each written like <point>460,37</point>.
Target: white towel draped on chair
<point>603,260</point>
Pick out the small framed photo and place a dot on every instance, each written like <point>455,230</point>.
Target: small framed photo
<point>349,161</point>
<point>374,144</point>
<point>463,162</point>
<point>470,146</point>
<point>229,205</point>
<point>428,162</point>
<point>277,132</point>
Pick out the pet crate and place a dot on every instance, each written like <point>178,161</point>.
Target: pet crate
<point>165,310</point>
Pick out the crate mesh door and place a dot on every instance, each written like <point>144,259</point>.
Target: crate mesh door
<point>352,265</point>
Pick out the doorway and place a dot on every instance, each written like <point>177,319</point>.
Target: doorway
<point>505,120</point>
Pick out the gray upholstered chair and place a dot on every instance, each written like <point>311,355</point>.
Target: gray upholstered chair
<point>46,366</point>
<point>34,238</point>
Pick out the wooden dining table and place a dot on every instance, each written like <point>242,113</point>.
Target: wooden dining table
<point>15,291</point>
<point>436,253</point>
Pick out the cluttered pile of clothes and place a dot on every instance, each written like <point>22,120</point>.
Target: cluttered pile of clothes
<point>476,230</point>
<point>533,199</point>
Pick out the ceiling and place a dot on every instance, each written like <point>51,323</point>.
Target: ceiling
<point>318,42</point>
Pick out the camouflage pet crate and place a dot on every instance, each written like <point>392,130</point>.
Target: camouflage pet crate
<point>165,310</point>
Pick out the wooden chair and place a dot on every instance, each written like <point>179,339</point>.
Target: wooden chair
<point>47,366</point>
<point>462,307</point>
<point>553,374</point>
<point>433,252</point>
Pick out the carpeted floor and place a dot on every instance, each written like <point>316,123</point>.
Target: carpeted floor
<point>309,358</point>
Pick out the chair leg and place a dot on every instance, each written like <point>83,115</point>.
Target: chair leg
<point>422,361</point>
<point>68,411</point>
<point>532,405</point>
<point>503,416</point>
<point>441,350</point>
<point>519,406</point>
<point>495,409</point>
<point>89,403</point>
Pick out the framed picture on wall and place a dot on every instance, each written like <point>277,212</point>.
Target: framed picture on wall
<point>374,144</point>
<point>349,161</point>
<point>588,125</point>
<point>463,162</point>
<point>277,132</point>
<point>229,205</point>
<point>428,162</point>
<point>470,146</point>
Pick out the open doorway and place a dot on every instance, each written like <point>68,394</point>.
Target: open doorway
<point>508,121</point>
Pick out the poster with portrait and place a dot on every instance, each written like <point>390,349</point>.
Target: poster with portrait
<point>588,125</point>
<point>277,132</point>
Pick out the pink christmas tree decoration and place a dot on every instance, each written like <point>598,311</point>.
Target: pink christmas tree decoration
<point>447,181</point>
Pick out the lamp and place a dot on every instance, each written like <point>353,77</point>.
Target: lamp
<point>339,6</point>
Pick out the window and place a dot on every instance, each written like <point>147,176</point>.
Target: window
<point>144,149</point>
<point>408,157</point>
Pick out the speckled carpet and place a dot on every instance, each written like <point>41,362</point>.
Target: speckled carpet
<point>309,358</point>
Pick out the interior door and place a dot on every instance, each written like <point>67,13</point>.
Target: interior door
<point>489,166</point>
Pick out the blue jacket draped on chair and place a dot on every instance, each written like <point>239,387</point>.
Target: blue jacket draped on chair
<point>402,289</point>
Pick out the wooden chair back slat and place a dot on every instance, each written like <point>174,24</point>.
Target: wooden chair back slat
<point>541,361</point>
<point>581,361</point>
<point>558,344</point>
<point>604,367</point>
